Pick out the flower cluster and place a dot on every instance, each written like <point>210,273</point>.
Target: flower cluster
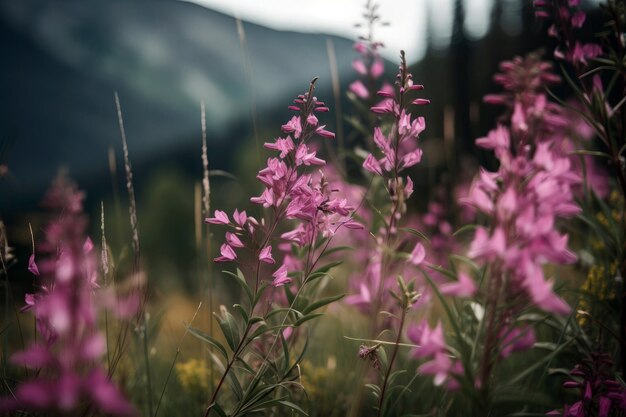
<point>524,198</point>
<point>66,312</point>
<point>291,193</point>
<point>398,150</point>
<point>567,18</point>
<point>529,192</point>
<point>599,393</point>
<point>369,66</point>
<point>432,345</point>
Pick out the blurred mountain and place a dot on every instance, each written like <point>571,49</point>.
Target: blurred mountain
<point>63,60</point>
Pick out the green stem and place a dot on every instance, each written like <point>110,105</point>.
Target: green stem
<point>396,347</point>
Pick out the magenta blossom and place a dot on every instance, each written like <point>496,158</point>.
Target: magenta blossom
<point>69,347</point>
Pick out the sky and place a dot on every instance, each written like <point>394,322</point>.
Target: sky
<point>407,18</point>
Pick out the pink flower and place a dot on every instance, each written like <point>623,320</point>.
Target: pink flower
<point>293,126</point>
<point>372,165</point>
<point>283,145</point>
<point>497,138</point>
<point>408,189</point>
<point>266,198</point>
<point>240,217</point>
<point>411,158</point>
<point>303,157</point>
<point>280,277</point>
<point>219,217</point>
<point>430,341</point>
<point>378,68</point>
<point>464,287</point>
<point>228,254</point>
<point>68,347</point>
<point>266,255</point>
<point>233,240</point>
<point>439,367</point>
<point>517,339</point>
<point>418,254</point>
<point>578,19</point>
<point>324,133</point>
<point>358,88</point>
<point>32,266</point>
<point>359,67</point>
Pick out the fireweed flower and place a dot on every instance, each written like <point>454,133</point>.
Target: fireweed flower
<point>525,80</point>
<point>566,18</point>
<point>369,66</point>
<point>599,393</point>
<point>432,346</point>
<point>396,150</point>
<point>293,194</point>
<point>532,189</point>
<point>66,309</point>
<point>523,200</point>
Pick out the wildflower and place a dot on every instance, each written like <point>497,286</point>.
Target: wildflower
<point>464,287</point>
<point>593,380</point>
<point>431,345</point>
<point>240,217</point>
<point>266,255</point>
<point>358,88</point>
<point>292,193</point>
<point>32,266</point>
<point>567,19</point>
<point>219,217</point>
<point>403,152</point>
<point>67,352</point>
<point>367,352</point>
<point>418,254</point>
<point>227,252</point>
<point>280,277</point>
<point>233,240</point>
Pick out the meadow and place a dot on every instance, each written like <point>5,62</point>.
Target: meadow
<point>336,280</point>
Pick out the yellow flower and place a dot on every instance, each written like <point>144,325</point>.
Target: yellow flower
<point>193,374</point>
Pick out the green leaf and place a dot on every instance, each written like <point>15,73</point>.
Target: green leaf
<point>463,229</point>
<point>218,362</point>
<point>285,310</point>
<point>415,232</point>
<point>241,280</point>
<point>293,406</point>
<point>443,271</point>
<point>334,250</point>
<point>327,267</point>
<point>301,356</point>
<point>260,292</point>
<point>304,319</point>
<point>286,356</point>
<point>375,389</point>
<point>395,375</point>
<point>259,331</point>
<point>235,385</point>
<point>290,296</point>
<point>228,324</point>
<point>321,303</point>
<point>216,407</point>
<point>466,260</point>
<point>208,339</point>
<point>591,153</point>
<point>243,313</point>
<point>546,359</point>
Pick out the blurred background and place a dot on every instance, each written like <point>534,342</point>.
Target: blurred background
<point>63,61</point>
